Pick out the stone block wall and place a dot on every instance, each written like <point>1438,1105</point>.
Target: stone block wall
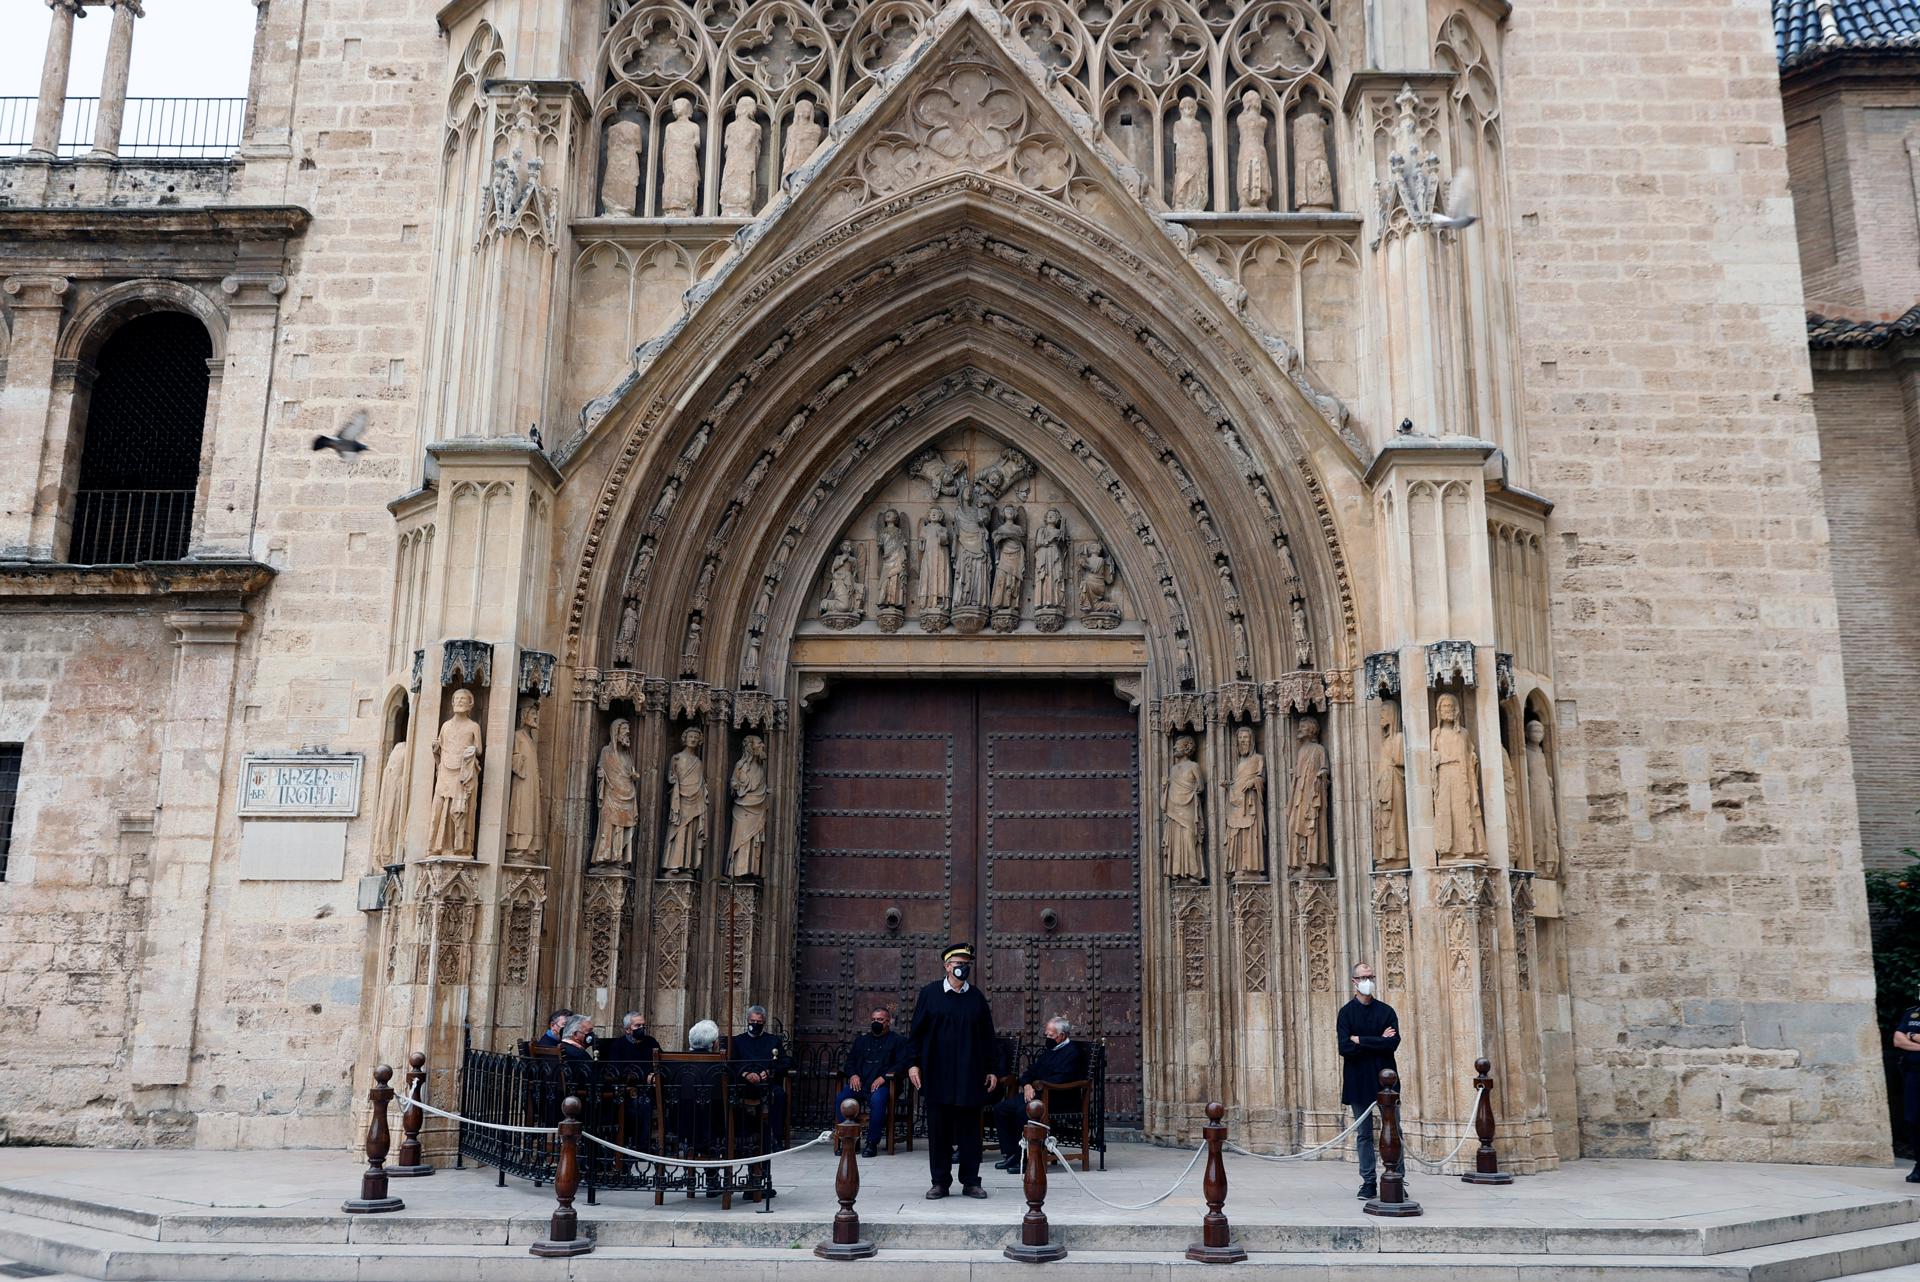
<point>1718,953</point>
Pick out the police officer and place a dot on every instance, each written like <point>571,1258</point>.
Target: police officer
<point>1906,1040</point>
<point>951,1065</point>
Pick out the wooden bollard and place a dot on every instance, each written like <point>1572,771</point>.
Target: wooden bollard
<point>1034,1246</point>
<point>1216,1240</point>
<point>373,1181</point>
<point>407,1163</point>
<point>847,1243</point>
<point>563,1230</point>
<point>1486,1162</point>
<point>1393,1181</point>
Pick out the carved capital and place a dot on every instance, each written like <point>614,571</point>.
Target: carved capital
<point>1297,692</point>
<point>1450,662</point>
<point>753,710</point>
<point>466,661</point>
<point>1239,701</point>
<point>536,673</point>
<point>36,291</point>
<point>1382,675</point>
<point>254,289</point>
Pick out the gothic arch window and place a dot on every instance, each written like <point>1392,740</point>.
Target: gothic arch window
<point>140,453</point>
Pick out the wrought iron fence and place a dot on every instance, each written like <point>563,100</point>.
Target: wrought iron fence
<point>119,527</point>
<point>152,128</point>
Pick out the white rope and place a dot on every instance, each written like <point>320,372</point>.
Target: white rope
<point>1438,1166</point>
<point>1053,1147</point>
<point>712,1164</point>
<point>416,1102</point>
<point>1308,1152</point>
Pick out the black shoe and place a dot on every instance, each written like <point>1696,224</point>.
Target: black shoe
<point>973,1190</point>
<point>1369,1190</point>
<point>935,1193</point>
<point>1913,1176</point>
<point>868,1150</point>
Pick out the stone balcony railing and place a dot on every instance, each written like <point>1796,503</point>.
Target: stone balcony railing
<point>173,151</point>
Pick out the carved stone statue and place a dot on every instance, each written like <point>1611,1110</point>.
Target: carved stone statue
<point>1302,639</point>
<point>1510,783</point>
<point>803,138</point>
<point>456,780</point>
<point>1247,808</point>
<point>845,603</point>
<point>526,834</point>
<point>628,636</point>
<point>690,648</point>
<point>619,797</point>
<point>1251,174</point>
<point>1050,572</point>
<point>742,155</point>
<point>747,842</point>
<point>1190,164</point>
<point>1097,607</point>
<point>390,820</point>
<point>1541,811</point>
<point>680,163</point>
<point>1390,792</point>
<point>970,556</point>
<point>1182,809</point>
<point>620,184</point>
<point>1009,568</point>
<point>893,562</point>
<point>1459,832</point>
<point>687,803</point>
<point>1310,847</point>
<point>936,570</point>
<point>1312,174</point>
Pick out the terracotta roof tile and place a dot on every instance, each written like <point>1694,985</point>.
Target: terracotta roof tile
<point>1799,36</point>
<point>1829,332</point>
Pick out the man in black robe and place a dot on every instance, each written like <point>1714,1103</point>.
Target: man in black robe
<point>951,1064</point>
<point>1369,1033</point>
<point>1064,1060</point>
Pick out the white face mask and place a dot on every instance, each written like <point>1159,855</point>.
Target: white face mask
<point>1364,987</point>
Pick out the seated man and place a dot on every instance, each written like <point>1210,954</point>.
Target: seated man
<point>574,1035</point>
<point>1064,1060</point>
<point>692,1101</point>
<point>873,1057</point>
<point>759,1064</point>
<point>556,1024</point>
<point>636,1056</point>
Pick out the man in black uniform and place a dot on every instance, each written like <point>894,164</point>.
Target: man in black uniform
<point>636,1056</point>
<point>951,1065</point>
<point>1064,1060</point>
<point>1906,1040</point>
<point>1369,1034</point>
<point>759,1064</point>
<point>873,1057</point>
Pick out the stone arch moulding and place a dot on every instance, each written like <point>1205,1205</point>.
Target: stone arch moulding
<point>94,320</point>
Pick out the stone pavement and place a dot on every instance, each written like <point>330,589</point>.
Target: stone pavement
<point>276,1214</point>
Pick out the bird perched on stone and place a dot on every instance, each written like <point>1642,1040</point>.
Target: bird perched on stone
<point>1459,215</point>
<point>348,442</point>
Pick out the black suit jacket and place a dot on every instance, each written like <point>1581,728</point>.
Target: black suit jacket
<point>872,1058</point>
<point>766,1053</point>
<point>625,1050</point>
<point>1064,1063</point>
<point>574,1054</point>
<point>953,1045</point>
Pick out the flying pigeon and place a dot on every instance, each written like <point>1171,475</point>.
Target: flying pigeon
<point>348,443</point>
<point>1459,215</point>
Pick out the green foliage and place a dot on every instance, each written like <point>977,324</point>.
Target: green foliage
<point>1893,898</point>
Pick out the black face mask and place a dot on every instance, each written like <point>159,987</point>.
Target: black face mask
<point>961,972</point>
<point>1053,1039</point>
<point>755,1029</point>
<point>638,1034</point>
<point>878,1028</point>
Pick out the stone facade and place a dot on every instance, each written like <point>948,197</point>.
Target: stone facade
<point>633,468</point>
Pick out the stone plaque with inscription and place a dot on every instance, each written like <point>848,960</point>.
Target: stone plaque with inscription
<point>304,785</point>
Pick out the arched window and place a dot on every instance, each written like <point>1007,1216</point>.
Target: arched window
<point>140,459</point>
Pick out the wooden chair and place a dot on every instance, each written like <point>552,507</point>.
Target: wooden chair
<point>1049,1093</point>
<point>899,1090</point>
<point>692,1080</point>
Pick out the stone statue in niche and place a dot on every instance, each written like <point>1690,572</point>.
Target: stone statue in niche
<point>1189,158</point>
<point>690,648</point>
<point>1242,648</point>
<point>680,163</point>
<point>742,156</point>
<point>1312,173</point>
<point>620,184</point>
<point>687,803</point>
<point>1251,174</point>
<point>1182,810</point>
<point>456,780</point>
<point>1009,568</point>
<point>845,603</point>
<point>1050,549</point>
<point>747,839</point>
<point>804,136</point>
<point>1247,809</point>
<point>1541,811</point>
<point>1309,835</point>
<point>890,601</point>
<point>1098,609</point>
<point>971,570</point>
<point>1390,792</point>
<point>526,834</point>
<point>936,570</point>
<point>390,820</point>
<point>628,635</point>
<point>1517,855</point>
<point>1302,639</point>
<point>750,656</point>
<point>1459,831</point>
<point>619,797</point>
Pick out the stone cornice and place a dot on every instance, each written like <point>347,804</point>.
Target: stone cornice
<point>571,90</point>
<point>49,580</point>
<point>232,223</point>
<point>505,449</point>
<point>454,12</point>
<point>1413,448</point>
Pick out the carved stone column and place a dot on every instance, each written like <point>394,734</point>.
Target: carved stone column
<point>26,405</point>
<point>53,77</point>
<point>113,80</point>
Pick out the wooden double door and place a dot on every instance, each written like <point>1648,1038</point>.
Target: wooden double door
<point>1006,814</point>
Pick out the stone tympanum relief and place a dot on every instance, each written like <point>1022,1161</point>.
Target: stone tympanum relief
<point>1542,816</point>
<point>1309,843</point>
<point>456,780</point>
<point>1459,831</point>
<point>687,805</point>
<point>1183,833</point>
<point>526,832</point>
<point>968,536</point>
<point>618,796</point>
<point>1247,808</point>
<point>1390,791</point>
<point>390,820</point>
<point>747,831</point>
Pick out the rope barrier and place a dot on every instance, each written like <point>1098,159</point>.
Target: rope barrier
<point>1438,1166</point>
<point>705,1164</point>
<point>1308,1152</point>
<point>1053,1147</point>
<point>416,1102</point>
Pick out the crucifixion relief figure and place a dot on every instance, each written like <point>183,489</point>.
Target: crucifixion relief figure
<point>687,803</point>
<point>456,780</point>
<point>618,795</point>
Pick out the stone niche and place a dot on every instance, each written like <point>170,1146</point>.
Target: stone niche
<point>1031,580</point>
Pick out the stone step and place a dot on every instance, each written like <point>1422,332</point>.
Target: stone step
<point>95,1253</point>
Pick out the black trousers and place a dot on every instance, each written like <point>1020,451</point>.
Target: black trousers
<point>1010,1119</point>
<point>1910,1106</point>
<point>949,1125</point>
